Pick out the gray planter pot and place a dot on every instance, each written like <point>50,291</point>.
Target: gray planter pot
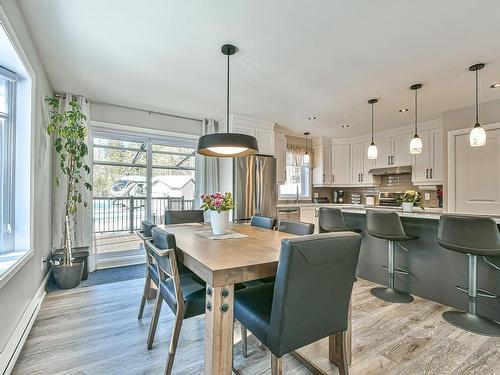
<point>68,277</point>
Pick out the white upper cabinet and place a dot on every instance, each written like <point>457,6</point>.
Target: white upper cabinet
<point>263,131</point>
<point>280,155</point>
<point>322,169</point>
<point>384,147</point>
<point>428,166</point>
<point>361,165</point>
<point>341,171</point>
<point>394,151</point>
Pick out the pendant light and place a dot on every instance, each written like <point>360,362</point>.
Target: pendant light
<point>227,144</point>
<point>416,142</point>
<point>307,157</point>
<point>372,149</point>
<point>477,135</point>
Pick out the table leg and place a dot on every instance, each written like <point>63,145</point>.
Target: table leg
<point>219,314</point>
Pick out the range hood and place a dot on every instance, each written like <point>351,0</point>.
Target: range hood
<point>390,170</point>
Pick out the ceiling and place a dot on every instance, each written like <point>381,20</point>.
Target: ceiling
<point>324,58</point>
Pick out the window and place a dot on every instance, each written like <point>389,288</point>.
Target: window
<point>298,176</point>
<point>7,148</point>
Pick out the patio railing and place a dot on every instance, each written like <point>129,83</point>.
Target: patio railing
<point>126,213</point>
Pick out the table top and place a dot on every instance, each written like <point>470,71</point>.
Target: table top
<point>228,261</point>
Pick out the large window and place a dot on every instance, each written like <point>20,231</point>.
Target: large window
<point>298,177</point>
<point>7,145</point>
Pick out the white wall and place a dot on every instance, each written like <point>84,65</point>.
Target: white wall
<point>21,288</point>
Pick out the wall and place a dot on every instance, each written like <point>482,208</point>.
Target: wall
<point>21,288</point>
<point>464,118</point>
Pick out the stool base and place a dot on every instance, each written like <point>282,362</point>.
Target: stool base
<point>472,323</point>
<point>391,295</point>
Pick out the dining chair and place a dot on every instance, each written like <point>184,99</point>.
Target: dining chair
<point>184,294</point>
<point>331,219</point>
<point>181,217</point>
<point>309,300</point>
<point>151,272</point>
<point>295,227</point>
<point>265,222</point>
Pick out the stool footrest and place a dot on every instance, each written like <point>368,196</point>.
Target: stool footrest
<point>397,270</point>
<point>480,292</point>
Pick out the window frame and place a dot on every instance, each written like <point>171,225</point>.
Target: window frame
<point>304,184</point>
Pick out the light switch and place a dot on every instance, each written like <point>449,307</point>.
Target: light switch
<point>427,196</point>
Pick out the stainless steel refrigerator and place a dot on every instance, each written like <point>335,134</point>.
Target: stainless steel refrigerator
<point>255,186</point>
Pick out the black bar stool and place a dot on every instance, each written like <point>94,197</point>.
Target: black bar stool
<point>474,236</point>
<point>387,225</point>
<point>332,220</point>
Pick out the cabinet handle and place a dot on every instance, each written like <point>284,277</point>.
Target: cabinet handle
<point>427,173</point>
<point>362,177</point>
<point>333,178</point>
<point>323,177</point>
<point>431,173</point>
<point>388,160</point>
<point>392,159</point>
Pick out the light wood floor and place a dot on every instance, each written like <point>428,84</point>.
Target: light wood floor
<point>95,331</point>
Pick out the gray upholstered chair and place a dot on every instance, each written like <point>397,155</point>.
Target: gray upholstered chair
<point>184,294</point>
<point>180,217</point>
<point>263,222</point>
<point>151,271</point>
<point>310,298</point>
<point>474,236</point>
<point>386,225</point>
<point>295,227</point>
<point>331,219</point>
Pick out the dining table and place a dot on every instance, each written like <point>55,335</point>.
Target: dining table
<point>247,253</point>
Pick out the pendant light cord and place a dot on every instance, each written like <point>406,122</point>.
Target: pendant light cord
<point>227,98</point>
<point>416,112</point>
<point>477,101</point>
<point>372,122</point>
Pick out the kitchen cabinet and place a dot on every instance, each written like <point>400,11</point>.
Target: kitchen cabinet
<point>263,131</point>
<point>280,155</point>
<point>322,169</point>
<point>310,215</point>
<point>361,165</point>
<point>428,165</point>
<point>341,171</point>
<point>394,151</point>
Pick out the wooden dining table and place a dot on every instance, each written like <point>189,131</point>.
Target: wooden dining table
<point>222,263</point>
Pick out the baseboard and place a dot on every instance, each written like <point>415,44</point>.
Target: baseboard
<point>9,355</point>
<point>120,261</point>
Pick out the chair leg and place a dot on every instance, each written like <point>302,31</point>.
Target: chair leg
<point>144,295</point>
<point>276,365</point>
<point>179,318</point>
<point>244,341</point>
<point>338,352</point>
<point>154,320</point>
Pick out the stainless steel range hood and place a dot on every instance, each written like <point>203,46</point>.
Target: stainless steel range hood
<point>390,170</point>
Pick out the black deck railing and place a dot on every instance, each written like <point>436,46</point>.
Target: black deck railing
<point>121,214</point>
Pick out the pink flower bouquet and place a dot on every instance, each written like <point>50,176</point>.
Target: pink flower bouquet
<point>217,202</point>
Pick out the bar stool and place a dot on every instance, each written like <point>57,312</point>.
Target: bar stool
<point>474,236</point>
<point>387,225</point>
<point>332,220</point>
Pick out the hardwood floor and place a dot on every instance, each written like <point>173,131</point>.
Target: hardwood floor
<point>95,330</point>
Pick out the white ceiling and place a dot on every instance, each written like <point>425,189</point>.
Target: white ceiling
<point>298,58</point>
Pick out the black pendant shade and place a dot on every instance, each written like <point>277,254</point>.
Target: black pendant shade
<point>227,144</point>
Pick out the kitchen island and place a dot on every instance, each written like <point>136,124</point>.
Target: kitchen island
<point>434,272</point>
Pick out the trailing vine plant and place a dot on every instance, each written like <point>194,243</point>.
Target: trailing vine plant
<point>70,136</point>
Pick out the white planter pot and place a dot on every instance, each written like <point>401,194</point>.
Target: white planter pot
<point>407,206</point>
<point>219,222</point>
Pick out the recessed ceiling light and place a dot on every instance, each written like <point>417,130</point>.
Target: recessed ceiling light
<point>345,125</point>
<point>403,110</point>
<point>311,118</point>
<point>495,85</point>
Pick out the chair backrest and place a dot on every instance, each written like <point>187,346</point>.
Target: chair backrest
<point>331,220</point>
<point>146,227</point>
<point>295,227</point>
<point>187,216</point>
<point>312,289</point>
<point>145,234</point>
<point>263,222</point>
<point>385,225</point>
<point>477,235</point>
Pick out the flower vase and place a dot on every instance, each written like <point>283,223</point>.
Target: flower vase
<point>407,206</point>
<point>219,221</point>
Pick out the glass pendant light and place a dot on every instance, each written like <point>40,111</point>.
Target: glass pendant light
<point>307,157</point>
<point>227,144</point>
<point>416,142</point>
<point>477,135</point>
<point>372,149</point>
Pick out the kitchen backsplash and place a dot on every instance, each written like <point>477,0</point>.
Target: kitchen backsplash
<point>389,183</point>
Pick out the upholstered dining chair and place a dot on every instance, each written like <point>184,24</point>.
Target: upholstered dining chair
<point>151,272</point>
<point>181,217</point>
<point>295,227</point>
<point>183,294</point>
<point>314,283</point>
<point>265,222</point>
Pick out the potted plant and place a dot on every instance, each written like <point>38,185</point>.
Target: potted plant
<point>219,205</point>
<point>70,136</point>
<point>410,199</point>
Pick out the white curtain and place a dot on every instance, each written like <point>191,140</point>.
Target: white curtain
<point>83,217</point>
<point>295,156</point>
<point>207,167</point>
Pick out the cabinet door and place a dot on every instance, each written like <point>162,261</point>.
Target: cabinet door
<point>421,162</point>
<point>356,163</point>
<point>341,172</point>
<point>307,214</point>
<point>367,165</point>
<point>265,141</point>
<point>280,155</point>
<point>384,152</point>
<point>318,174</point>
<point>327,163</point>
<point>436,155</point>
<point>401,150</point>
<point>242,129</point>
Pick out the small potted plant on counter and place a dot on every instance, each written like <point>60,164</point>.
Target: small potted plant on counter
<point>410,199</point>
<point>219,205</point>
